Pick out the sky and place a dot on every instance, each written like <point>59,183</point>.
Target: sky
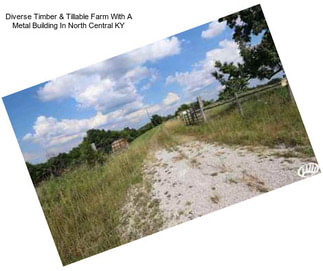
<point>53,117</point>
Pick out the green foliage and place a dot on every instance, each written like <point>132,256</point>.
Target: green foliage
<point>272,120</point>
<point>103,139</point>
<point>82,206</point>
<point>84,153</point>
<point>38,172</point>
<point>143,129</point>
<point>232,77</point>
<point>206,103</point>
<point>90,156</point>
<point>259,61</point>
<point>182,108</point>
<point>156,120</point>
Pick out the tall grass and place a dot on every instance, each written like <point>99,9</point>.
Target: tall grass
<point>270,119</point>
<point>83,206</point>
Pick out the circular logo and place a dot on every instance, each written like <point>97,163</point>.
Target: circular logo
<point>308,170</point>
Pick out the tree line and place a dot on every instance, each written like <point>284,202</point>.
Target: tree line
<point>84,153</point>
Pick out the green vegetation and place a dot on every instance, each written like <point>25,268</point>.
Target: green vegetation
<point>260,60</point>
<point>83,205</point>
<point>85,191</point>
<point>270,119</point>
<point>84,153</point>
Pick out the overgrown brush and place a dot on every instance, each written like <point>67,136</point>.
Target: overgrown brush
<point>82,206</point>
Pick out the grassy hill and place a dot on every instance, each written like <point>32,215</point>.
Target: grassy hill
<point>83,205</point>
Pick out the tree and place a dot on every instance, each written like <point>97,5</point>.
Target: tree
<point>129,133</point>
<point>83,153</point>
<point>231,77</point>
<point>182,108</point>
<point>261,60</point>
<point>156,120</point>
<point>88,155</point>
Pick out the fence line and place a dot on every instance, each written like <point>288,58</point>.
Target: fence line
<point>193,116</point>
<point>243,95</point>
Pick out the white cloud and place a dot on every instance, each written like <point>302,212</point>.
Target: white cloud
<point>49,131</point>
<point>155,51</point>
<point>200,76</point>
<point>228,52</point>
<point>102,94</point>
<point>29,156</point>
<point>64,86</point>
<point>115,96</point>
<point>119,65</point>
<point>138,115</point>
<point>215,28</point>
<point>137,74</point>
<point>111,84</point>
<point>171,98</point>
<point>109,87</point>
<point>192,81</point>
<point>53,134</point>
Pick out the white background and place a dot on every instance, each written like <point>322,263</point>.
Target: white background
<point>281,230</point>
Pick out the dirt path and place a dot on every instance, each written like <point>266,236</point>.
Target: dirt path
<point>196,178</point>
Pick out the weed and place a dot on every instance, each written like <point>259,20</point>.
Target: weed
<point>232,181</point>
<point>181,212</point>
<point>262,189</point>
<point>194,162</point>
<point>215,199</point>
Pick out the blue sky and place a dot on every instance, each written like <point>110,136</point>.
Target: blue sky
<point>53,117</point>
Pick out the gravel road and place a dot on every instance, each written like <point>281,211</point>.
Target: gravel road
<point>194,179</point>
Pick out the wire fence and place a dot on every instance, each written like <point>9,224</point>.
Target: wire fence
<point>243,95</point>
<point>193,115</point>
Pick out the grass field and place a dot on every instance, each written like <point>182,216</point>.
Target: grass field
<point>270,120</point>
<point>83,206</point>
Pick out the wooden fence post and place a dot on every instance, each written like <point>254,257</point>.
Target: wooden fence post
<point>200,102</point>
<point>238,104</point>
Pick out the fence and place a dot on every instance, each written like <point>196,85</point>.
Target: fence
<point>196,116</point>
<point>193,115</point>
<point>244,95</point>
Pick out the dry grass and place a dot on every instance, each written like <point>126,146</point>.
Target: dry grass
<point>254,183</point>
<point>273,121</point>
<point>83,207</point>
